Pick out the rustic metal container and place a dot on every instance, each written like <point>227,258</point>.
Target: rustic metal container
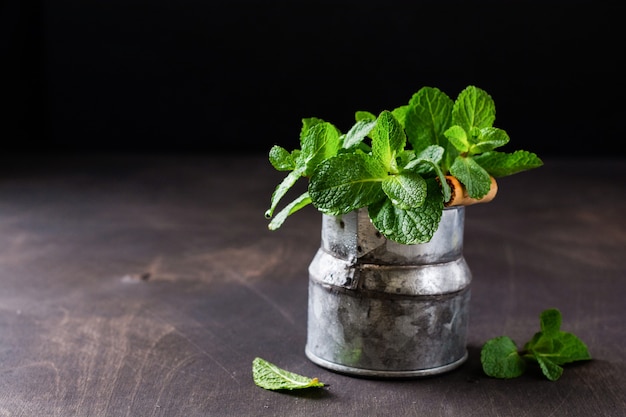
<point>378,308</point>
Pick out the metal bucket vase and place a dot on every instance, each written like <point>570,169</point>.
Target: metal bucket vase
<point>378,308</point>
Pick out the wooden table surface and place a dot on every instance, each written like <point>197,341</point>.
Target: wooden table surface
<point>146,285</point>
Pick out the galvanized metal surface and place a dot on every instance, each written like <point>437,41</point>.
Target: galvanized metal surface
<point>382,309</point>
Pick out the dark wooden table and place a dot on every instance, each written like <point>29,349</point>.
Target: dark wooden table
<point>146,285</point>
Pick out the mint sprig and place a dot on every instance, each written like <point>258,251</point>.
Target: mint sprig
<point>550,348</point>
<point>388,162</point>
<point>269,376</point>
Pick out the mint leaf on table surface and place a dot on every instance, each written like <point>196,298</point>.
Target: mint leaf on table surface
<point>500,358</point>
<point>550,348</point>
<point>269,376</point>
<point>501,164</point>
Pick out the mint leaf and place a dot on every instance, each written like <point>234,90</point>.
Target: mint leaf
<point>400,114</point>
<point>406,190</point>
<point>289,209</point>
<point>281,159</point>
<point>388,139</point>
<point>428,117</point>
<point>409,226</point>
<point>362,115</point>
<point>358,132</point>
<point>551,370</point>
<point>550,322</point>
<point>473,108</point>
<point>553,345</point>
<point>500,164</point>
<point>319,143</point>
<point>472,175</point>
<point>571,349</point>
<point>282,189</point>
<point>458,138</point>
<point>488,139</point>
<point>426,160</point>
<point>550,348</point>
<point>269,376</point>
<point>429,160</point>
<point>308,123</point>
<point>347,182</point>
<point>500,359</point>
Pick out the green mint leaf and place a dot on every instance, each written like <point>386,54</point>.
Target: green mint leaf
<point>269,376</point>
<point>422,162</point>
<point>406,190</point>
<point>488,139</point>
<point>458,138</point>
<point>303,200</point>
<point>559,346</point>
<point>431,154</point>
<point>539,344</point>
<point>428,117</point>
<point>551,370</point>
<point>358,132</point>
<point>400,114</point>
<point>410,226</point>
<point>362,115</point>
<point>281,159</point>
<point>552,347</point>
<point>407,157</point>
<point>550,322</point>
<point>282,189</point>
<point>308,123</point>
<point>429,160</point>
<point>571,349</point>
<point>388,139</point>
<point>320,142</point>
<point>473,108</point>
<point>500,359</point>
<point>347,182</point>
<point>473,176</point>
<point>500,164</point>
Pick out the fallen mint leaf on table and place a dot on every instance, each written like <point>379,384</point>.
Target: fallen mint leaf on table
<point>550,348</point>
<point>271,377</point>
<point>500,358</point>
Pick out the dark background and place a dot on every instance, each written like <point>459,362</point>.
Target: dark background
<point>195,76</point>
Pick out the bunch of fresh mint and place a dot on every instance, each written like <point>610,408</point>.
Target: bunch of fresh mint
<point>395,164</point>
<point>550,348</point>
